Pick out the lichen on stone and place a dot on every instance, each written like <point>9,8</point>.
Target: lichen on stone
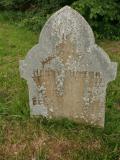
<point>60,82</point>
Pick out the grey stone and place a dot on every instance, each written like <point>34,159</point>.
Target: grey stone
<point>66,72</point>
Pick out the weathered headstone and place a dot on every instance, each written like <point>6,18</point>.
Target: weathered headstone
<point>66,72</point>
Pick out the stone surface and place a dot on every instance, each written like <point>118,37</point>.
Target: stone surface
<point>66,72</point>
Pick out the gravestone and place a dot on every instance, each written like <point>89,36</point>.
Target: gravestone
<point>66,72</point>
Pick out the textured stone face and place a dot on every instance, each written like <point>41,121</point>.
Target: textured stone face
<point>66,72</point>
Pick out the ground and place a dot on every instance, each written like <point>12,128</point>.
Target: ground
<point>25,138</point>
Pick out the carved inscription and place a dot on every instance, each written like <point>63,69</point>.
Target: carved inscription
<point>90,81</point>
<point>37,77</point>
<point>47,60</point>
<point>34,99</point>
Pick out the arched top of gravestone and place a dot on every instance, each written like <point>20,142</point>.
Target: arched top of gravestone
<point>68,23</point>
<point>68,26</point>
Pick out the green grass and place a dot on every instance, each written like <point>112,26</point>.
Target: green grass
<point>25,138</point>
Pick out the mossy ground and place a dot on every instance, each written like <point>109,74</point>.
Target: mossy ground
<point>25,138</point>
